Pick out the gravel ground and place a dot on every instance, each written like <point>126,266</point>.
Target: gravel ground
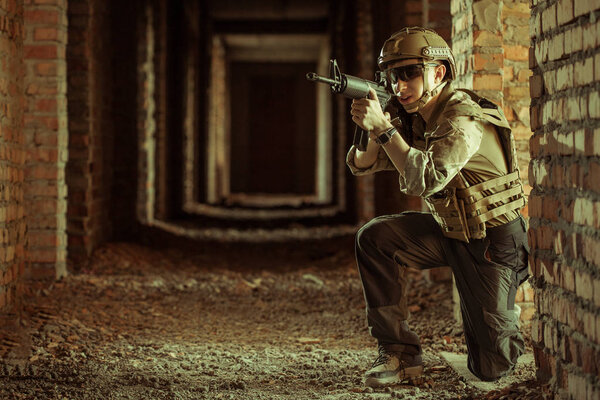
<point>220,322</point>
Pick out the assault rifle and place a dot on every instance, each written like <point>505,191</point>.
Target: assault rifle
<point>353,87</point>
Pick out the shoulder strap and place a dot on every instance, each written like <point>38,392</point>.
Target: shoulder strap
<point>492,113</point>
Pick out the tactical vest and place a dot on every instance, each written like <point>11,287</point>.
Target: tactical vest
<point>462,210</point>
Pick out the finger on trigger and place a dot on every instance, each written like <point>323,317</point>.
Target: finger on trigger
<point>372,93</point>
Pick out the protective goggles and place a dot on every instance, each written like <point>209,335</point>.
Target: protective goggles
<point>407,72</point>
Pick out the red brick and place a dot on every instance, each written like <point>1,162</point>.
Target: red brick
<point>42,256</point>
<point>40,52</point>
<point>50,123</point>
<point>413,20</point>
<point>43,239</point>
<point>592,180</point>
<point>413,6</point>
<point>42,34</point>
<point>46,105</point>
<point>45,206</point>
<point>45,172</point>
<point>487,82</point>
<point>509,113</point>
<point>493,61</point>
<point>41,190</point>
<point>524,75</point>
<point>487,39</point>
<point>45,138</point>
<point>516,52</point>
<point>51,2</point>
<point>79,140</point>
<point>514,93</point>
<point>43,155</point>
<point>50,17</point>
<point>46,69</point>
<point>545,363</point>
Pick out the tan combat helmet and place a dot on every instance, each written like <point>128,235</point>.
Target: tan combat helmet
<point>416,42</point>
<point>420,43</point>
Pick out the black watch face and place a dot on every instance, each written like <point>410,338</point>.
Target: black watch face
<point>385,137</point>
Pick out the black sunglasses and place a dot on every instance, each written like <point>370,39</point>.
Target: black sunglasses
<point>406,72</point>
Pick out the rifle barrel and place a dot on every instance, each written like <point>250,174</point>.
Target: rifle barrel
<point>311,76</point>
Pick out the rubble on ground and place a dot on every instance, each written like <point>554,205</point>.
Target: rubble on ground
<point>144,323</point>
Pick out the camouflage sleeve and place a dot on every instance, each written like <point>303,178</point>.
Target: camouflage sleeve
<point>450,147</point>
<point>382,163</point>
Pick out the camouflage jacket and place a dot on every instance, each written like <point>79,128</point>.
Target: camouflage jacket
<point>449,142</point>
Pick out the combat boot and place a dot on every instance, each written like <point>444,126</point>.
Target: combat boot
<point>392,368</point>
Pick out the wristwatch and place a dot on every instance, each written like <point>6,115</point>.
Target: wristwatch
<point>385,136</point>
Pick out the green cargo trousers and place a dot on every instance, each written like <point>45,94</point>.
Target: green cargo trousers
<point>487,273</point>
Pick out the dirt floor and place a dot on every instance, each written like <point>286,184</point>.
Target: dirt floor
<point>220,322</point>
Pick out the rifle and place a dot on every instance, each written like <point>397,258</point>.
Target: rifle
<point>353,87</point>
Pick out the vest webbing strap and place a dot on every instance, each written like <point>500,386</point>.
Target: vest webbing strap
<point>487,185</point>
<point>451,221</point>
<point>444,212</point>
<point>513,205</point>
<point>494,198</point>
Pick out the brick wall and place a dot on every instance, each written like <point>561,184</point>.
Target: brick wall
<point>366,65</point>
<point>515,42</point>
<point>438,17</point>
<point>146,109</point>
<point>515,101</point>
<point>46,136</point>
<point>491,46</point>
<point>12,156</point>
<point>565,200</point>
<point>91,135</point>
<point>161,190</point>
<point>119,74</point>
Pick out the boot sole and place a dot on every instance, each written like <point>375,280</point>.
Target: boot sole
<point>403,375</point>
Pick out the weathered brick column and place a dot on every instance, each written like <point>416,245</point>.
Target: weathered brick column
<point>564,204</point>
<point>46,136</point>
<point>515,89</point>
<point>91,131</point>
<point>12,157</point>
<point>490,44</point>
<point>365,184</point>
<point>146,106</point>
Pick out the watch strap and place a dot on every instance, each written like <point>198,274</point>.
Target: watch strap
<point>385,137</point>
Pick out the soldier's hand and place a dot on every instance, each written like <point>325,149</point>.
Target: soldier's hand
<point>367,114</point>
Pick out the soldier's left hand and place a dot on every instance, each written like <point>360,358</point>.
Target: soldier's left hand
<point>367,114</point>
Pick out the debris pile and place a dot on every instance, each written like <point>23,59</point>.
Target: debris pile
<point>144,323</point>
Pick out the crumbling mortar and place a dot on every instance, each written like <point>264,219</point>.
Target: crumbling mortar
<point>576,264</point>
<point>464,34</point>
<point>541,6</point>
<point>567,59</point>
<point>488,49</point>
<point>549,291</point>
<point>566,94</point>
<point>581,20</point>
<point>567,227</point>
<point>568,127</point>
<point>574,369</point>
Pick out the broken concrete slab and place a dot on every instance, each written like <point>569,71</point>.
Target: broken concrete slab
<point>458,362</point>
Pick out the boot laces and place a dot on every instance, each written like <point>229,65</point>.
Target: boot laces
<point>383,358</point>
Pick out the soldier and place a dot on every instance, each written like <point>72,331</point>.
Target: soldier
<point>456,151</point>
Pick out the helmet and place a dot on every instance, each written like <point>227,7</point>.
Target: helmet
<point>417,42</point>
<point>421,43</point>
